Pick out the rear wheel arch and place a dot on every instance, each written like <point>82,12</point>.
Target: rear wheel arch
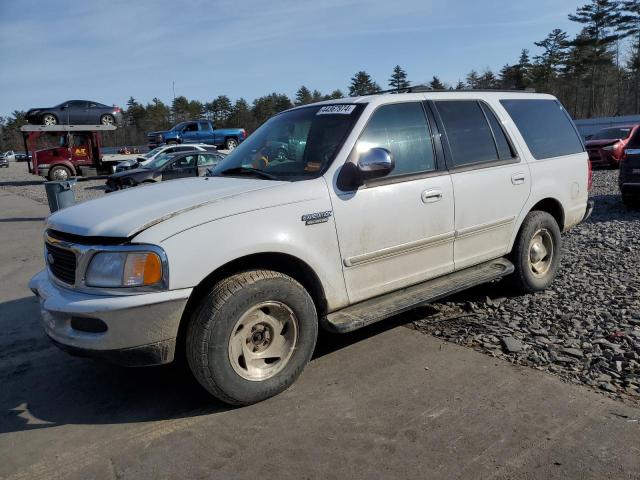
<point>553,207</point>
<point>284,263</point>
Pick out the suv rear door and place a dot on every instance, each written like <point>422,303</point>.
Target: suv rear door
<point>491,183</point>
<point>397,230</point>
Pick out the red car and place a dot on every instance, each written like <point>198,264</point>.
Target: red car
<point>606,147</point>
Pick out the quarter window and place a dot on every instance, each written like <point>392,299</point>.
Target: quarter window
<point>402,129</point>
<point>545,127</point>
<point>470,137</point>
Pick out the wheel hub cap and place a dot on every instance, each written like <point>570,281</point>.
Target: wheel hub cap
<point>541,252</point>
<point>263,340</point>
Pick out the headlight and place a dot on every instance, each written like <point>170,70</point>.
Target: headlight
<point>124,269</point>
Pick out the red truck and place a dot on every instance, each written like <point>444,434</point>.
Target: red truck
<point>69,150</point>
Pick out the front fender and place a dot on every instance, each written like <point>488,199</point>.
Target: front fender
<point>220,237</point>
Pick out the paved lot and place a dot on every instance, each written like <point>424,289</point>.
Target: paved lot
<point>387,402</point>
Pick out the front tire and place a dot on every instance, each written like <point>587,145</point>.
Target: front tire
<point>49,119</point>
<point>252,336</point>
<point>59,173</point>
<point>536,253</point>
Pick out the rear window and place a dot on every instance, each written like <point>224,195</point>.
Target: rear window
<point>545,127</point>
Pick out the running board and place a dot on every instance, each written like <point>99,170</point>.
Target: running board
<point>371,311</point>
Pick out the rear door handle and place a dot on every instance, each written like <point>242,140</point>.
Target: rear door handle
<point>518,178</point>
<point>431,196</point>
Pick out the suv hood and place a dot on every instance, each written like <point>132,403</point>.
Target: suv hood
<point>125,213</point>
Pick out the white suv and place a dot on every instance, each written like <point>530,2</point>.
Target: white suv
<point>334,215</point>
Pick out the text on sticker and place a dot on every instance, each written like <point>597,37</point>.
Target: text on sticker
<point>339,109</point>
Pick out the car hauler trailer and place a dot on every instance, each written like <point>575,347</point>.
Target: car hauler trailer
<point>76,151</point>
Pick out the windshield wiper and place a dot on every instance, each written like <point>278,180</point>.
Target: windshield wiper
<point>248,171</point>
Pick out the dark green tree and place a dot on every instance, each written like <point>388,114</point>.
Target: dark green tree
<point>436,84</point>
<point>362,84</point>
<point>472,79</point>
<point>599,19</point>
<point>398,79</point>
<point>303,96</point>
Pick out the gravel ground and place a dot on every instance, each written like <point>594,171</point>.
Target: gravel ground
<point>585,328</point>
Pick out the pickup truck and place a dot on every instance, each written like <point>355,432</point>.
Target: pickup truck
<point>200,131</point>
<point>383,203</point>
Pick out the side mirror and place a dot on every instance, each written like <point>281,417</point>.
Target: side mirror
<point>375,163</point>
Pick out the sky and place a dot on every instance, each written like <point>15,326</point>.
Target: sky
<point>107,51</point>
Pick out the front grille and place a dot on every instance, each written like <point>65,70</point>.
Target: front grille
<point>62,263</point>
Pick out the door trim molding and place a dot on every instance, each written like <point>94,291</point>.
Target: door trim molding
<point>484,227</point>
<point>401,249</point>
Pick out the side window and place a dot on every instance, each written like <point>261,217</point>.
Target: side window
<point>545,127</point>
<point>207,160</point>
<point>470,138</point>
<point>191,127</point>
<point>402,129</point>
<point>184,162</point>
<point>505,151</point>
<point>204,126</point>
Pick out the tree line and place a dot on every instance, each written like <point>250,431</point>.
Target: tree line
<point>595,73</point>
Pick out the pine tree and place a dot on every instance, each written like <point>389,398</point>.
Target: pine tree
<point>487,80</point>
<point>629,26</point>
<point>460,85</point>
<point>436,84</point>
<point>303,96</point>
<point>599,18</point>
<point>398,80</point>
<point>316,96</point>
<point>362,84</point>
<point>553,57</point>
<point>472,79</point>
<point>336,94</point>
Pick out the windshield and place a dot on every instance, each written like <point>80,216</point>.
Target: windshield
<point>612,133</point>
<point>294,145</point>
<point>159,161</point>
<point>179,126</point>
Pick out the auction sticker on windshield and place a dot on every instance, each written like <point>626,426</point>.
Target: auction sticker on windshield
<point>339,109</point>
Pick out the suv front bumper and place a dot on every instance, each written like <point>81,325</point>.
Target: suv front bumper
<point>136,330</point>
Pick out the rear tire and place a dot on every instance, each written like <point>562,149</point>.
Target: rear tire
<point>536,253</point>
<point>252,336</point>
<point>59,173</point>
<point>107,120</point>
<point>230,143</point>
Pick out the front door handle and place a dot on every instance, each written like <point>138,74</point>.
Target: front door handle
<point>518,178</point>
<point>431,196</point>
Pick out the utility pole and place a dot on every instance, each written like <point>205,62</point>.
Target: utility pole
<point>173,106</point>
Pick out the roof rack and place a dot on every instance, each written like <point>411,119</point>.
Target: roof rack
<point>427,88</point>
<point>66,128</point>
